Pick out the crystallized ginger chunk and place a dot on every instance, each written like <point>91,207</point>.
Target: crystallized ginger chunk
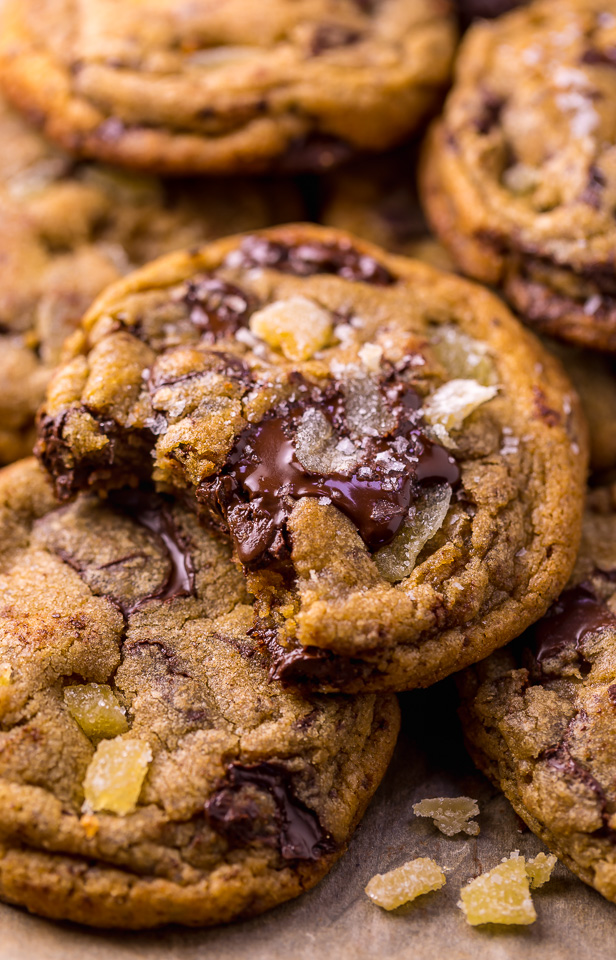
<point>115,776</point>
<point>391,890</point>
<point>450,814</point>
<point>298,326</point>
<point>452,403</point>
<point>6,672</point>
<point>500,896</point>
<point>540,869</point>
<point>95,708</point>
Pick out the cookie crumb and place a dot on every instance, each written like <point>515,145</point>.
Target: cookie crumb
<point>405,883</point>
<point>451,815</point>
<point>500,896</point>
<point>116,773</point>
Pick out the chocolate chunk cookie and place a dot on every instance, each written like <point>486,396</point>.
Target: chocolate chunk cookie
<point>238,86</point>
<point>150,771</point>
<point>376,199</point>
<point>540,716</point>
<point>67,230</point>
<point>519,177</point>
<point>398,464</point>
<point>594,377</point>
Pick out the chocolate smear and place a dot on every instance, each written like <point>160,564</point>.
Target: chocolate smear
<point>234,813</point>
<point>153,513</point>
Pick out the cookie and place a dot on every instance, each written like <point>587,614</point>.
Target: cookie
<point>540,716</point>
<point>519,179</point>
<point>190,89</point>
<point>398,464</point>
<point>594,377</point>
<point>67,230</point>
<point>376,198</point>
<point>150,770</point>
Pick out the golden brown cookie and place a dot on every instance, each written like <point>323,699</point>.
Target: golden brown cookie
<point>398,463</point>
<point>241,86</point>
<point>150,770</point>
<point>519,176</point>
<point>67,230</point>
<point>540,716</point>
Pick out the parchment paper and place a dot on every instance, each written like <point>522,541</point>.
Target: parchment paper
<point>336,921</point>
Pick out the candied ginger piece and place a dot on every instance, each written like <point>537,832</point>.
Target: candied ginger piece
<point>298,326</point>
<point>539,870</point>
<point>391,890</point>
<point>95,708</point>
<point>464,357</point>
<point>500,896</point>
<point>450,814</point>
<point>319,449</point>
<point>116,773</point>
<point>396,560</point>
<point>451,404</point>
<point>6,672</point>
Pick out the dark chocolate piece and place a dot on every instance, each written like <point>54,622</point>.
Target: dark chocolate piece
<point>256,490</point>
<point>308,259</point>
<point>490,113</point>
<point>328,36</point>
<point>576,613</point>
<point>217,308</point>
<point>235,814</point>
<point>593,192</point>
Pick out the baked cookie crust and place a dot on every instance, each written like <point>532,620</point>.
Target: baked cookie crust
<point>150,770</point>
<point>172,89</point>
<point>540,716</point>
<point>399,464</point>
<point>518,177</point>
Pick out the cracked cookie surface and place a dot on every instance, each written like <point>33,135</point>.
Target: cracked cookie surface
<point>519,176</point>
<point>398,464</point>
<point>186,88</point>
<point>150,771</point>
<point>540,716</point>
<point>68,229</point>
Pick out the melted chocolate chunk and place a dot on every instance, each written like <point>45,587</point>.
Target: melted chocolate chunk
<point>305,664</point>
<point>328,36</point>
<point>485,9</point>
<point>153,513</point>
<point>576,613</point>
<point>308,259</point>
<point>235,814</point>
<point>490,113</point>
<point>256,490</point>
<point>594,56</point>
<point>593,192</point>
<point>217,308</point>
<point>314,154</point>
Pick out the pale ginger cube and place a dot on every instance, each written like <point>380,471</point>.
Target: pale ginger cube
<point>391,890</point>
<point>115,776</point>
<point>95,708</point>
<point>451,404</point>
<point>450,814</point>
<point>298,326</point>
<point>500,896</point>
<point>539,870</point>
<point>6,672</point>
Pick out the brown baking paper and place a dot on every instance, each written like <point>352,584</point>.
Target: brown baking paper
<point>336,921</point>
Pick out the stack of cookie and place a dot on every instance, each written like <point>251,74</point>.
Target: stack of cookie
<point>282,472</point>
